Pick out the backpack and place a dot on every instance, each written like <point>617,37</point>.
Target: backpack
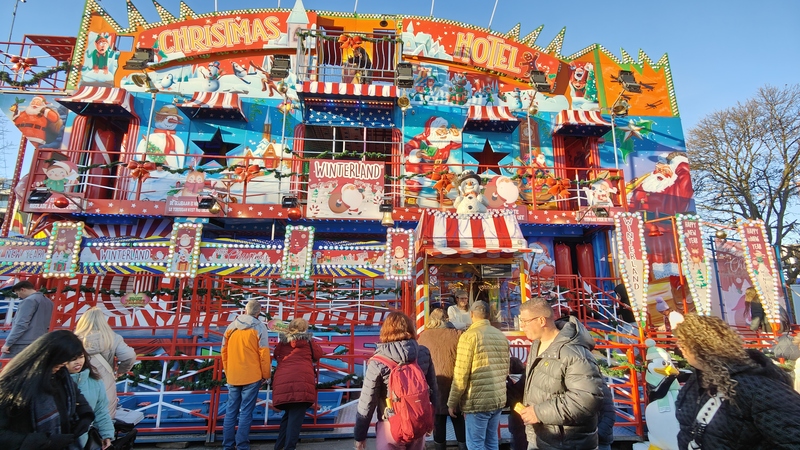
<point>409,410</point>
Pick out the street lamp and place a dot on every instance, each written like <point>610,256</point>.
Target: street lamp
<point>13,18</point>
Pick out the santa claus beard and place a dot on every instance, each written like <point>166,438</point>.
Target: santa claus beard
<point>507,191</point>
<point>352,197</point>
<point>658,182</point>
<point>34,110</point>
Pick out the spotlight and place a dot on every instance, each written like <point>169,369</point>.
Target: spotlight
<point>204,202</point>
<point>404,75</point>
<point>140,60</point>
<point>39,195</point>
<point>539,81</point>
<point>289,202</point>
<point>601,212</point>
<point>280,67</point>
<point>143,80</point>
<point>386,206</point>
<point>628,82</point>
<point>620,108</point>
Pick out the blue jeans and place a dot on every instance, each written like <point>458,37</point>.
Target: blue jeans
<point>239,410</point>
<point>482,430</point>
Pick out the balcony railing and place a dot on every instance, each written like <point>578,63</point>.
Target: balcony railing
<point>358,58</point>
<point>260,180</point>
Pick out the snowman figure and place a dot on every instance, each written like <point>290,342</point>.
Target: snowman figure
<point>663,377</point>
<point>470,199</point>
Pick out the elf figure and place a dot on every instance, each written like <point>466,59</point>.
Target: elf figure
<point>59,175</point>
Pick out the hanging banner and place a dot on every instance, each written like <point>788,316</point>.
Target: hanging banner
<point>632,260</point>
<point>184,250</point>
<point>760,261</point>
<point>694,261</point>
<point>63,251</point>
<point>298,246</point>
<point>345,189</point>
<point>399,262</point>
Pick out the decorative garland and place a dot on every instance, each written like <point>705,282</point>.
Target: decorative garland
<point>621,370</point>
<point>5,77</point>
<point>356,380</point>
<point>305,34</point>
<point>201,381</point>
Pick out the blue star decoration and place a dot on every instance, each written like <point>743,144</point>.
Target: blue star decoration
<point>488,159</point>
<point>214,151</point>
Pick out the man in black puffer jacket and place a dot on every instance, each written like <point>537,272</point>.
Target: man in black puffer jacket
<point>563,386</point>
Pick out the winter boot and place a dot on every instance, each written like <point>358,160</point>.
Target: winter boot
<point>439,446</point>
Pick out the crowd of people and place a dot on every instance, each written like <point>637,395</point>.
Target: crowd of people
<point>58,390</point>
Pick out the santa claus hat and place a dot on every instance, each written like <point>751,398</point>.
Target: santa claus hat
<point>435,122</point>
<point>69,166</point>
<point>661,304</point>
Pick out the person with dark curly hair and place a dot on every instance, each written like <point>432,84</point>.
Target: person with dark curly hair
<point>758,409</point>
<point>40,406</point>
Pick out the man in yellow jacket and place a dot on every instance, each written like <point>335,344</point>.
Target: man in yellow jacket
<point>247,364</point>
<point>479,380</point>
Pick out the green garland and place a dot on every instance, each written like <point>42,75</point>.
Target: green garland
<point>356,381</point>
<point>621,370</point>
<point>306,33</point>
<point>203,380</point>
<point>5,77</point>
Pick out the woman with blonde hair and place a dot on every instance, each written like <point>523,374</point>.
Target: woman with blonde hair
<point>735,398</point>
<point>103,345</point>
<point>758,319</point>
<point>441,339</point>
<point>294,383</point>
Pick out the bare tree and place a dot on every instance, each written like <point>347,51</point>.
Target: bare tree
<point>746,162</point>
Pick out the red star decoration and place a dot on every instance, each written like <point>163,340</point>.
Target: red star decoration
<point>488,159</point>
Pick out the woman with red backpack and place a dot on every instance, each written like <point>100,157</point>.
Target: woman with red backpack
<point>400,382</point>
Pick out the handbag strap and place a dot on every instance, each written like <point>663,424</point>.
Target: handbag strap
<point>704,417</point>
<point>104,363</point>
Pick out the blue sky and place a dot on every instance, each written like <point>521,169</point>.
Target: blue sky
<point>720,51</point>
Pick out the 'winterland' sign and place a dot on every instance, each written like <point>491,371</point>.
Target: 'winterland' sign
<point>345,189</point>
<point>632,260</point>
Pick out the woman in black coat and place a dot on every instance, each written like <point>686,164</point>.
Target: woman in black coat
<point>759,409</point>
<point>40,406</point>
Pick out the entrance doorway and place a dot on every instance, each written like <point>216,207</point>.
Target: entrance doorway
<point>496,281</point>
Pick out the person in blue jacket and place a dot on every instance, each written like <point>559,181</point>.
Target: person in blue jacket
<point>93,390</point>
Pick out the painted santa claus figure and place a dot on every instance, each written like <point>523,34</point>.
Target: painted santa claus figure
<point>666,190</point>
<point>501,193</point>
<point>429,151</point>
<point>346,198</point>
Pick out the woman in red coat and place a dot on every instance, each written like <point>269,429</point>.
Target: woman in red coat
<point>294,385</point>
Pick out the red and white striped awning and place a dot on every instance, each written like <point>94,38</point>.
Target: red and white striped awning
<point>358,90</point>
<point>571,122</point>
<point>96,100</point>
<point>214,106</point>
<point>490,118</point>
<point>448,233</point>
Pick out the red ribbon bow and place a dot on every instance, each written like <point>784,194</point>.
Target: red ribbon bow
<point>248,173</point>
<point>141,170</point>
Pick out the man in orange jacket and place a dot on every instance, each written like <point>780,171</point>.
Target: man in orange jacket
<point>247,364</point>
